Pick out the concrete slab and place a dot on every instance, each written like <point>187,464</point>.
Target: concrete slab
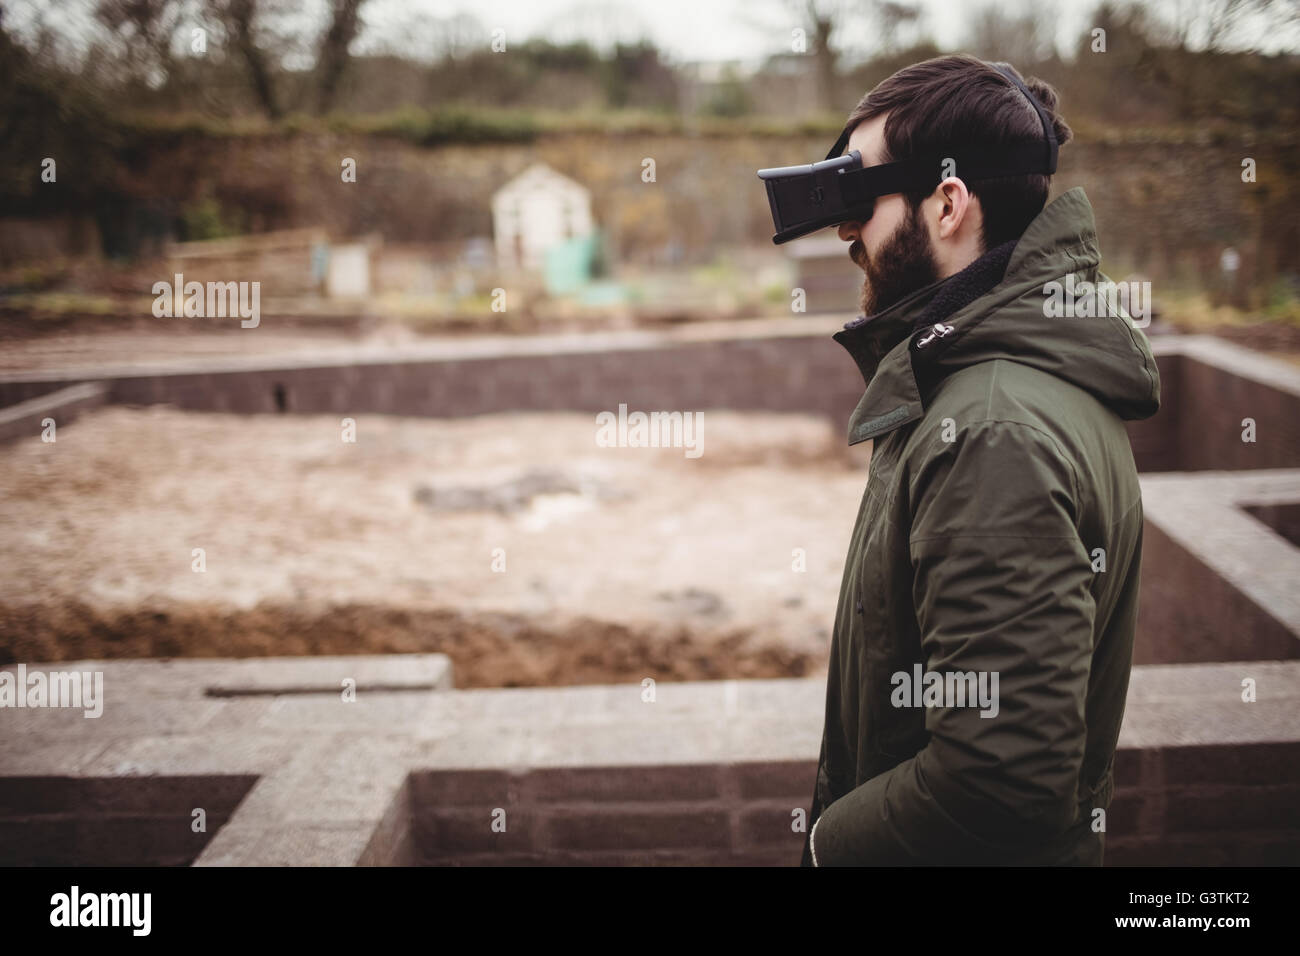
<point>183,754</point>
<point>191,678</point>
<point>375,712</point>
<point>238,844</point>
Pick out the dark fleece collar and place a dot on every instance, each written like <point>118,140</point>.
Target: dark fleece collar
<point>966,286</point>
<point>868,337</point>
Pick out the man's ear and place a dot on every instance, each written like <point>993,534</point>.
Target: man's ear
<point>957,207</point>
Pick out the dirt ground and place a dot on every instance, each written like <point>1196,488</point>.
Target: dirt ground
<point>514,543</point>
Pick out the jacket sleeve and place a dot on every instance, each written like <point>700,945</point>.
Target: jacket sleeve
<point>1001,584</point>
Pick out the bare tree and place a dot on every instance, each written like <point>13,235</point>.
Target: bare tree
<point>421,37</point>
<point>240,17</point>
<point>1017,36</point>
<point>828,21</point>
<point>820,17</point>
<point>599,23</point>
<point>1220,26</point>
<point>146,28</point>
<point>457,34</point>
<point>333,56</point>
<point>892,17</point>
<point>1223,24</point>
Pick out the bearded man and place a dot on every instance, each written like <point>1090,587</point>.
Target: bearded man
<point>999,537</point>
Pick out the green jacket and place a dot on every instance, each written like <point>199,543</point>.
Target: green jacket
<point>998,540</point>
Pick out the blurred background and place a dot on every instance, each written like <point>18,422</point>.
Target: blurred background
<point>510,180</point>
<point>188,121</point>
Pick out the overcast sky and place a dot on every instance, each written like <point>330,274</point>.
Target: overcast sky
<point>750,29</point>
<point>700,29</point>
<point>712,30</point>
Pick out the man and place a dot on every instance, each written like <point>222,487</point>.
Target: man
<point>984,632</point>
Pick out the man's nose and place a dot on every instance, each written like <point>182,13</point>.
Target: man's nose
<point>849,231</point>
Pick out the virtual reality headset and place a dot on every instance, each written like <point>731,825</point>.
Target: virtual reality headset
<point>839,189</point>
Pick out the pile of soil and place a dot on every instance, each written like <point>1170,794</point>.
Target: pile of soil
<point>487,650</point>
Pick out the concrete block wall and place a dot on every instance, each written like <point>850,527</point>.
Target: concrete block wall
<point>711,772</point>
<point>1213,805</point>
<point>26,419</point>
<point>1218,390</point>
<point>1284,518</point>
<point>113,821</point>
<point>789,374</point>
<point>1208,386</point>
<point>692,814</point>
<point>1218,583</point>
<point>1202,778</point>
<point>1220,805</point>
<point>1190,612</point>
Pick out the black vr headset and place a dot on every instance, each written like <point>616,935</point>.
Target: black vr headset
<point>839,189</point>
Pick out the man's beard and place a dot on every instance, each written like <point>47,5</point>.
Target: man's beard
<point>904,264</point>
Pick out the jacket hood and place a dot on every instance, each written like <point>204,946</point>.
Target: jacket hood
<point>1039,314</point>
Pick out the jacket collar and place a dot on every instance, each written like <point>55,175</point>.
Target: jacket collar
<point>894,394</point>
<point>998,308</point>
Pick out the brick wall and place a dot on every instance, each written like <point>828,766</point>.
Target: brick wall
<point>1211,403</point>
<point>112,821</point>
<point>734,814</point>
<point>1216,805</point>
<point>1220,805</point>
<point>1197,428</point>
<point>25,419</point>
<point>800,374</point>
<point>1282,518</point>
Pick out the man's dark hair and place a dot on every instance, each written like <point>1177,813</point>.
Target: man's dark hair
<point>960,99</point>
